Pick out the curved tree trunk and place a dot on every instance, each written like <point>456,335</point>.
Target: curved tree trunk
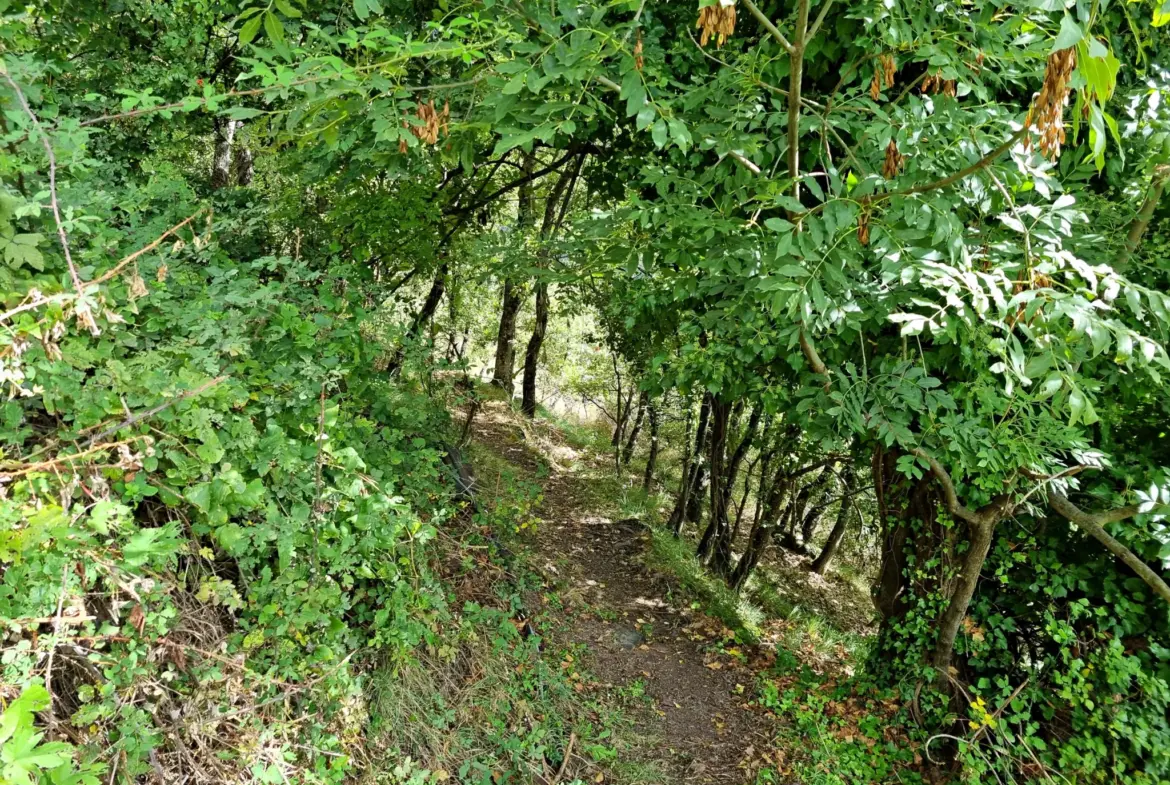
<point>720,415</point>
<point>821,563</point>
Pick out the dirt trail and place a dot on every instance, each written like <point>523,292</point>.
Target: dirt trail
<point>699,728</point>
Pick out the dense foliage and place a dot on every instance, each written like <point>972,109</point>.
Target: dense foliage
<point>897,265</point>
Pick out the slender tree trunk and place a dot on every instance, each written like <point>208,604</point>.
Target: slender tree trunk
<point>761,532</point>
<point>221,162</point>
<point>532,355</point>
<point>721,550</point>
<point>635,430</point>
<point>554,214</point>
<point>504,371</point>
<point>720,415</point>
<point>690,469</point>
<point>1141,221</point>
<point>821,563</point>
<point>652,458</point>
<point>429,306</point>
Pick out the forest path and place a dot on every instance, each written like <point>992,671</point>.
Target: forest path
<point>696,726</point>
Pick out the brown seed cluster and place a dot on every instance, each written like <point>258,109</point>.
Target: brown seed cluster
<point>935,83</point>
<point>1047,112</point>
<point>638,61</point>
<point>1026,280</point>
<point>894,161</point>
<point>883,75</point>
<point>433,121</point>
<point>863,228</point>
<point>716,20</point>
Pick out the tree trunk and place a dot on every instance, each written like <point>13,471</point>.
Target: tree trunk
<point>504,371</point>
<point>652,458</point>
<point>952,618</point>
<point>721,550</point>
<point>720,415</point>
<point>429,306</point>
<point>532,355</point>
<point>690,474</point>
<point>245,168</point>
<point>635,430</point>
<point>1141,221</point>
<point>821,563</point>
<point>221,162</point>
<point>761,532</point>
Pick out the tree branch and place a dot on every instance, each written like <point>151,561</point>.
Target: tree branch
<point>950,497</point>
<point>755,11</point>
<point>812,31</point>
<point>1094,525</point>
<point>74,275</point>
<point>1141,221</point>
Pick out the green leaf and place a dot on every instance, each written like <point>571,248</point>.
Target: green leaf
<point>288,9</point>
<point>645,117</point>
<point>273,28</point>
<point>658,133</point>
<point>249,30</point>
<point>1070,34</point>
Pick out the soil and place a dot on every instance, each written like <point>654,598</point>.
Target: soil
<point>696,725</point>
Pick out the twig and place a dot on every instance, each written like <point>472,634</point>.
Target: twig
<point>137,418</point>
<point>755,11</point>
<point>565,760</point>
<point>53,649</point>
<point>53,202</point>
<point>147,249</point>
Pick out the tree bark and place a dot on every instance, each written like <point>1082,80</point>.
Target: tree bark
<point>554,214</point>
<point>652,457</point>
<point>532,355</point>
<point>721,550</point>
<point>821,563</point>
<point>690,474</point>
<point>245,167</point>
<point>221,162</point>
<point>762,528</point>
<point>1141,221</point>
<point>979,543</point>
<point>720,415</point>
<point>504,371</point>
<point>635,429</point>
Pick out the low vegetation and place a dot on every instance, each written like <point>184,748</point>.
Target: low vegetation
<point>348,348</point>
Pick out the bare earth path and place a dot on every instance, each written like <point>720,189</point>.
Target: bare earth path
<point>699,727</point>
